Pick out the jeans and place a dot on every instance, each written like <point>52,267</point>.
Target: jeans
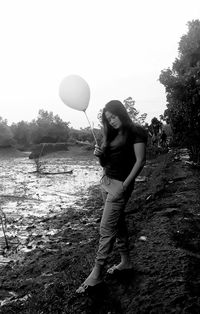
<point>113,226</point>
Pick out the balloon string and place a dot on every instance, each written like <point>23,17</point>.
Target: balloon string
<point>91,128</point>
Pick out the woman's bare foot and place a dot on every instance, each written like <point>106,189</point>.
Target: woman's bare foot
<point>121,266</point>
<point>92,280</point>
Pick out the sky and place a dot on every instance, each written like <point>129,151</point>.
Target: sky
<point>119,47</point>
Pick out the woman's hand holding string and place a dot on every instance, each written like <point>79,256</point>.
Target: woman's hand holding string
<point>98,151</point>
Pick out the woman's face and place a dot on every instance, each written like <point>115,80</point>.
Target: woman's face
<point>113,120</point>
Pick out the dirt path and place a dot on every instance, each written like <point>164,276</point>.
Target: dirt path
<point>164,211</point>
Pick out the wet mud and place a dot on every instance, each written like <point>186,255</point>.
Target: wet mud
<point>163,216</point>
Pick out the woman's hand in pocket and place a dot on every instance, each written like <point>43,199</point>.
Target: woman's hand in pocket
<point>119,191</point>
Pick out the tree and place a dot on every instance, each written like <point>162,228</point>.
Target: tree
<point>47,128</point>
<point>129,104</point>
<point>182,86</point>
<point>50,128</point>
<point>6,136</point>
<point>21,132</point>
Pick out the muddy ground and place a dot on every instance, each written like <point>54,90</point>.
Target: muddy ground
<point>163,216</point>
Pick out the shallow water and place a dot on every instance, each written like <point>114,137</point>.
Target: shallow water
<point>27,196</point>
<point>28,193</point>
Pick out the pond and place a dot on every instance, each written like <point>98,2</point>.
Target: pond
<point>27,196</point>
<point>29,193</point>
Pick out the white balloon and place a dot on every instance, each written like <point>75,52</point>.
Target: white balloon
<point>75,92</point>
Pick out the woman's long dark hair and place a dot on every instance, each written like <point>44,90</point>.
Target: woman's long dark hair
<point>118,109</point>
<point>128,126</point>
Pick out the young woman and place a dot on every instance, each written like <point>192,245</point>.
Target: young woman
<point>122,156</point>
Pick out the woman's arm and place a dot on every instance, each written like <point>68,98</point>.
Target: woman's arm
<point>98,152</point>
<point>140,153</point>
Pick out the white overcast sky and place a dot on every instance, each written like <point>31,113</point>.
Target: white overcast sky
<point>118,46</point>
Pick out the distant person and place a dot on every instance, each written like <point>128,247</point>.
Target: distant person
<point>122,156</point>
<point>163,139</point>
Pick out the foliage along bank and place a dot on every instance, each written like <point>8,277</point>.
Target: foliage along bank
<point>182,86</point>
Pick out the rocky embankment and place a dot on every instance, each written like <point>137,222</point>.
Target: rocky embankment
<point>163,216</point>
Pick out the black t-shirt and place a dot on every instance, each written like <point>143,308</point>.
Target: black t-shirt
<point>119,158</point>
